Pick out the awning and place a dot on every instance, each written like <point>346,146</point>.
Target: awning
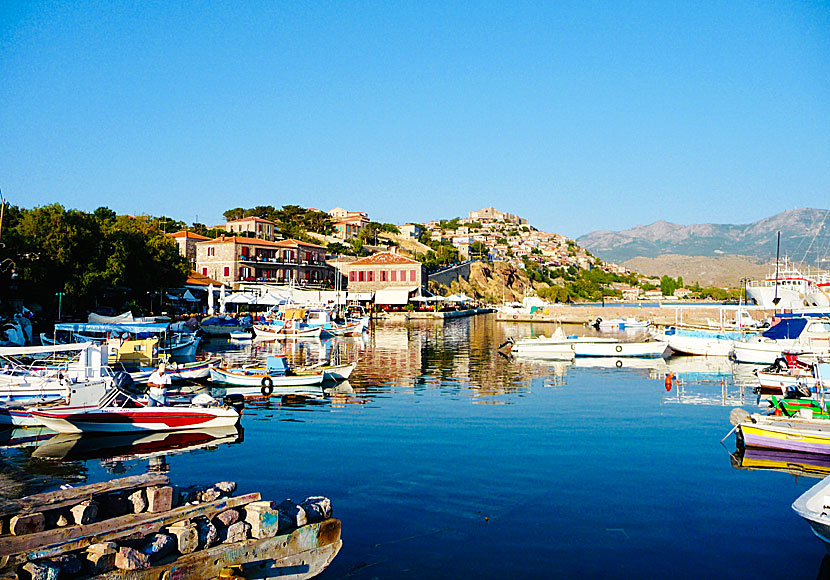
<point>360,296</point>
<point>392,296</point>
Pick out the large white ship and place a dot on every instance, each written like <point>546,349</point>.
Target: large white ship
<point>787,288</point>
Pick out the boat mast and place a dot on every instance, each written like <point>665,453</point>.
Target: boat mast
<point>776,300</point>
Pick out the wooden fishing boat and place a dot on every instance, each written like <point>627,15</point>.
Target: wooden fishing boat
<point>287,330</point>
<point>778,432</point>
<point>190,371</point>
<point>814,506</point>
<point>275,378</point>
<point>621,349</point>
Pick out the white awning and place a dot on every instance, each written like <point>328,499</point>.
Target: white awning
<point>392,296</point>
<point>360,296</point>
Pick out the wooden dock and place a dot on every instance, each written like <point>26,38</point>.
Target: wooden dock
<point>140,527</point>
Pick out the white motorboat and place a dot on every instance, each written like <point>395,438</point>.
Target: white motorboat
<point>629,323</point>
<point>650,349</point>
<point>558,346</point>
<point>814,506</point>
<point>698,341</point>
<point>803,336</point>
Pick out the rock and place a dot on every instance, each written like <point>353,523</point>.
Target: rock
<point>187,537</point>
<point>292,513</point>
<point>27,524</point>
<point>210,494</point>
<point>138,501</point>
<point>100,558</point>
<point>85,513</point>
<point>130,559</point>
<point>69,564</point>
<point>208,535</point>
<point>237,532</point>
<point>263,518</point>
<point>227,517</point>
<point>159,499</point>
<point>42,570</point>
<point>227,487</point>
<point>317,508</point>
<point>159,545</point>
<point>62,521</point>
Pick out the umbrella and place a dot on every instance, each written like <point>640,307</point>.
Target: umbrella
<point>239,298</point>
<point>210,299</point>
<point>435,299</point>
<point>270,300</point>
<point>419,298</point>
<point>189,297</point>
<point>222,299</point>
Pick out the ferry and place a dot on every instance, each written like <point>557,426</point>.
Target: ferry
<point>787,288</point>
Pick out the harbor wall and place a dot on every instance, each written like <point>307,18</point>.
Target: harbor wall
<point>449,275</point>
<point>657,314</point>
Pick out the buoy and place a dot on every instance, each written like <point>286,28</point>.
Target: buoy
<point>668,382</point>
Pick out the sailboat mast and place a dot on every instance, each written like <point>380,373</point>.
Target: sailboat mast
<point>777,254</point>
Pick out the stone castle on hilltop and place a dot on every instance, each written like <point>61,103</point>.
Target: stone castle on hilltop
<point>492,214</point>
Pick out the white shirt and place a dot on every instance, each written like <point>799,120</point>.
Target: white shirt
<point>158,382</point>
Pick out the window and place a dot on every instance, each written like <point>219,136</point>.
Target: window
<point>351,276</point>
<point>383,276</point>
<point>227,271</point>
<point>394,274</point>
<point>360,276</point>
<point>211,251</point>
<point>412,275</point>
<point>371,276</point>
<point>204,271</point>
<point>403,275</point>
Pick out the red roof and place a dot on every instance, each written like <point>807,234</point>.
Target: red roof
<point>383,258</point>
<point>189,235</point>
<point>252,219</point>
<point>292,243</point>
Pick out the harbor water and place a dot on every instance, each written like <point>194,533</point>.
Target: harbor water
<point>445,459</point>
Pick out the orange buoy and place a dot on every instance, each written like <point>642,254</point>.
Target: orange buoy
<point>668,382</point>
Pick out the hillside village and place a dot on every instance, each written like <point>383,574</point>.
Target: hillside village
<point>490,255</point>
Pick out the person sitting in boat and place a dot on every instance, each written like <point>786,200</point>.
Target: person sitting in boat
<point>158,383</point>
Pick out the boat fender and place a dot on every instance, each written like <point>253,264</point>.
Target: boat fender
<point>669,378</point>
<point>619,348</point>
<point>619,364</point>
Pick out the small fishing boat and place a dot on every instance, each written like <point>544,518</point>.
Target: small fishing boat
<point>629,323</point>
<point>778,432</point>
<point>331,373</point>
<point>699,341</point>
<point>801,336</point>
<point>120,412</point>
<point>241,335</point>
<point>650,349</point>
<point>814,506</point>
<point>557,346</point>
<point>790,376</point>
<point>272,379</point>
<point>288,330</point>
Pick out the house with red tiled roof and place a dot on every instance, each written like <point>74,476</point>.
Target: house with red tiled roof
<point>234,260</point>
<point>187,244</point>
<point>253,226</point>
<point>347,224</point>
<point>384,271</point>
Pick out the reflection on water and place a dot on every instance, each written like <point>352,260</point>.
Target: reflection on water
<point>446,459</point>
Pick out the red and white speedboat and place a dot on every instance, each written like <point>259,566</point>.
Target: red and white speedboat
<point>119,412</point>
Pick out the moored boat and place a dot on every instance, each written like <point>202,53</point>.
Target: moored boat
<point>650,349</point>
<point>814,506</point>
<point>806,337</point>
<point>556,346</point>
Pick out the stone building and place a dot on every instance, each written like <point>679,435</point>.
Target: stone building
<point>492,214</point>
<point>233,260</point>
<point>384,270</point>
<point>347,224</point>
<point>187,244</point>
<point>253,226</point>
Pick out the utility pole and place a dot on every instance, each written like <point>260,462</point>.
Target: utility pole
<point>2,206</point>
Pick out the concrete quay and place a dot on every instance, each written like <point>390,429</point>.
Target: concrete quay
<point>657,314</point>
<point>427,315</point>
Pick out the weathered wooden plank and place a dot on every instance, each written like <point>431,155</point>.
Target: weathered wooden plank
<point>66,497</point>
<point>303,553</point>
<point>58,541</point>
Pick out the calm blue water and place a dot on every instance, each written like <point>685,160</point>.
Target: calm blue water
<point>445,460</point>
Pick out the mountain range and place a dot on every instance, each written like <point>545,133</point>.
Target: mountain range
<point>805,237</point>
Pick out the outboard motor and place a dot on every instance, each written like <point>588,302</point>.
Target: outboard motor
<point>597,322</point>
<point>124,382</point>
<point>235,401</point>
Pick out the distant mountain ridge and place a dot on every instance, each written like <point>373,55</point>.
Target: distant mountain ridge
<point>805,237</point>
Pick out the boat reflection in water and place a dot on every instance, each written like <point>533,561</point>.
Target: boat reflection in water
<point>127,446</point>
<point>792,462</point>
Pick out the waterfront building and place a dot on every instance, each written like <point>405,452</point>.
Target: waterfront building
<point>233,260</point>
<point>253,226</point>
<point>390,276</point>
<point>187,244</point>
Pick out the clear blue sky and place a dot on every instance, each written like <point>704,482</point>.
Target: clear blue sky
<point>577,115</point>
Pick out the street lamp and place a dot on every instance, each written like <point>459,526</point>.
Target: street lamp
<point>60,295</point>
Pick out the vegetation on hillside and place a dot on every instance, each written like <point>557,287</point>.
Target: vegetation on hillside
<point>88,257</point>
